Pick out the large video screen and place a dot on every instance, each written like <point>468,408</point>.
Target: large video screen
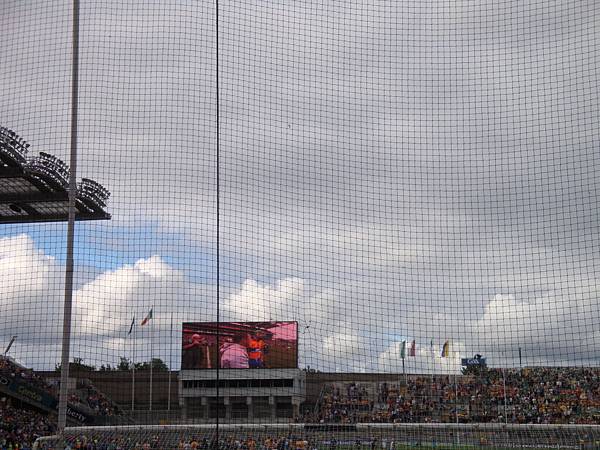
<point>240,345</point>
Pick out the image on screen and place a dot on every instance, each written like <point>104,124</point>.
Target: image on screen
<point>239,345</point>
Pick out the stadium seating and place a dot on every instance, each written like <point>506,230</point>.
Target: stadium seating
<point>20,427</point>
<point>533,395</point>
<point>85,397</point>
<point>94,400</point>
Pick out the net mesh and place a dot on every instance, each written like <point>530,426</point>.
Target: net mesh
<point>360,436</point>
<point>320,212</point>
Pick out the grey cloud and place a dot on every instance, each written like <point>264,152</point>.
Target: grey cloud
<point>408,162</point>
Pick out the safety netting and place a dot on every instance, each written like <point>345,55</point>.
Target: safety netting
<point>327,224</point>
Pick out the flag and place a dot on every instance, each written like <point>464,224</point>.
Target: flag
<point>412,350</point>
<point>446,349</point>
<point>403,350</point>
<point>147,318</point>
<point>132,324</point>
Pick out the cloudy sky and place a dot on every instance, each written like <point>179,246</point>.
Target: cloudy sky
<point>388,170</point>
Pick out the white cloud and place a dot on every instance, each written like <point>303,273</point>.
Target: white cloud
<point>24,269</point>
<point>253,301</point>
<point>107,304</point>
<point>31,291</point>
<point>337,332</point>
<point>427,359</point>
<point>556,327</point>
<point>346,351</point>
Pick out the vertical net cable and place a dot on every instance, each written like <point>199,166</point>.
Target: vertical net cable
<point>218,182</point>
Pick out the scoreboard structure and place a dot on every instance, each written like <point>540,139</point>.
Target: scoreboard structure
<point>240,371</point>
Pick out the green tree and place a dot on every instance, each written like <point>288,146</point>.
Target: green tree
<point>158,365</point>
<point>77,365</point>
<point>124,364</point>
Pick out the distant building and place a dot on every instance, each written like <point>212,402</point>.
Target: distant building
<point>258,395</point>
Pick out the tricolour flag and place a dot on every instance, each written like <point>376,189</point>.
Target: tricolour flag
<point>403,350</point>
<point>147,318</point>
<point>446,349</point>
<point>412,350</point>
<point>131,326</point>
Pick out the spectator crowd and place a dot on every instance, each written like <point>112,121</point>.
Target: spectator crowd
<point>99,404</point>
<point>13,371</point>
<point>20,427</point>
<point>523,396</point>
<point>531,395</point>
<point>86,395</point>
<point>180,440</point>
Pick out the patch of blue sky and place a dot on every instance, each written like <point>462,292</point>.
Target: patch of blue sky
<point>48,237</point>
<point>101,251</point>
<point>101,247</point>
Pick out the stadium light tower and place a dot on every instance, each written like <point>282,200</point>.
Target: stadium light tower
<point>12,147</point>
<point>36,189</point>
<point>44,189</point>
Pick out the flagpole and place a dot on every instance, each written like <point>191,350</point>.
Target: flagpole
<point>455,400</point>
<point>133,368</point>
<point>455,393</point>
<point>433,360</point>
<point>504,388</point>
<point>413,354</point>
<point>402,356</point>
<point>170,364</point>
<point>404,371</point>
<point>151,328</point>
<point>502,368</point>
<point>432,367</point>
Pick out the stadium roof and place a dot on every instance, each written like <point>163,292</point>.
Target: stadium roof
<point>36,189</point>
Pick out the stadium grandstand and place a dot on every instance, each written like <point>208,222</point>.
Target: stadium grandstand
<point>332,225</point>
